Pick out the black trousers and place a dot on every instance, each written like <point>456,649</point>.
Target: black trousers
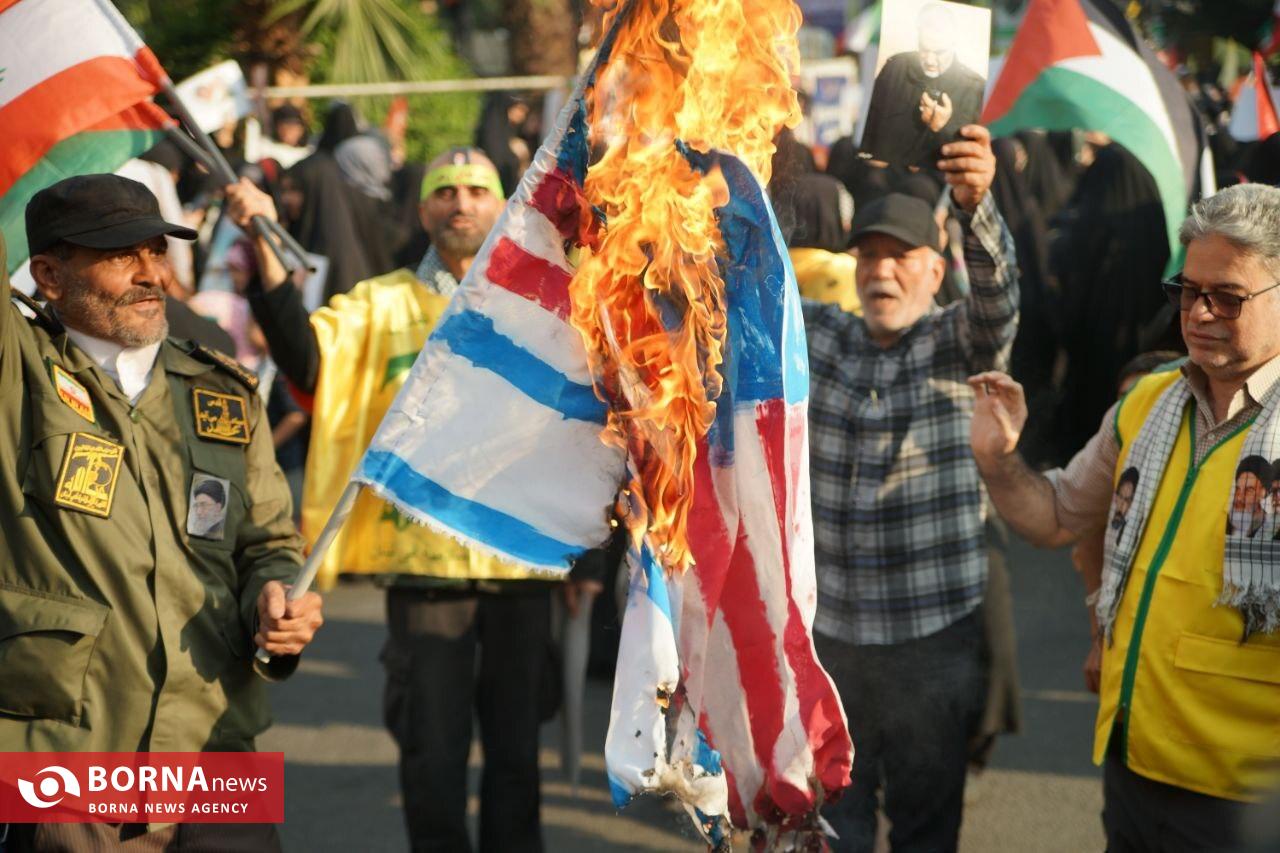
<point>1141,815</point>
<point>434,686</point>
<point>912,708</point>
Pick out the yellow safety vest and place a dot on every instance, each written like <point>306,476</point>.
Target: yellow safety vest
<point>1191,704</point>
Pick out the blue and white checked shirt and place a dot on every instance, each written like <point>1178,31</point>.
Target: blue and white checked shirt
<point>898,506</point>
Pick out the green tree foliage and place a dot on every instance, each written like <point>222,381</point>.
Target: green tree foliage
<point>186,35</point>
<point>349,41</point>
<point>386,40</point>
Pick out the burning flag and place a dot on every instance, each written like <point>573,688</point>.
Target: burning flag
<point>74,99</point>
<point>634,325</point>
<point>1079,64</point>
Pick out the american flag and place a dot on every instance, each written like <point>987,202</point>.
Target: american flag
<point>495,439</point>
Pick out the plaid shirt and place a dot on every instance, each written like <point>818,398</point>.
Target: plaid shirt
<point>435,275</point>
<point>898,506</point>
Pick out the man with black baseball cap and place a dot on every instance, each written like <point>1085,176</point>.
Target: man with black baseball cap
<point>898,504</point>
<point>123,628</point>
<point>96,212</point>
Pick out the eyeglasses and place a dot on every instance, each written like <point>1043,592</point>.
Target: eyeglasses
<point>1223,305</point>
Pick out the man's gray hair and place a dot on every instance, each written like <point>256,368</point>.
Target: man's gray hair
<point>1246,215</point>
<point>938,19</point>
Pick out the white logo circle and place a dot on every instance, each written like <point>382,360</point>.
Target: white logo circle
<point>52,788</point>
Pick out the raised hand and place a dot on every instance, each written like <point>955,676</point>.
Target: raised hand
<point>999,414</point>
<point>969,165</point>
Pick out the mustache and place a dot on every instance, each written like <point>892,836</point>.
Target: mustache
<point>882,287</point>
<point>141,294</point>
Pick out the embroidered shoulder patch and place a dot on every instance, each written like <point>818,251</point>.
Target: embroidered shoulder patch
<point>242,374</point>
<point>90,469</point>
<point>221,417</point>
<point>71,392</point>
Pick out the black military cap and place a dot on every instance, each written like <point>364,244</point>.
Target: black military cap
<point>97,212</point>
<point>906,217</point>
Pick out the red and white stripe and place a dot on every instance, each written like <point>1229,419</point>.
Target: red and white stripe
<point>68,65</point>
<point>750,669</point>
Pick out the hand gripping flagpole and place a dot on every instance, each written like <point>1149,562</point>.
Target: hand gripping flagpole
<point>202,149</point>
<point>307,574</point>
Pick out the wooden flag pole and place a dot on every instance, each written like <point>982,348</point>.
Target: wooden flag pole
<point>307,573</point>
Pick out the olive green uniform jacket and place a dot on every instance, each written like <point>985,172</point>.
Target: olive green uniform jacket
<point>124,632</point>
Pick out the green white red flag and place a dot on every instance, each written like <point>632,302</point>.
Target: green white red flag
<point>1079,64</point>
<point>75,90</point>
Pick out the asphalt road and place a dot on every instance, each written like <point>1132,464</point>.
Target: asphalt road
<point>1040,794</point>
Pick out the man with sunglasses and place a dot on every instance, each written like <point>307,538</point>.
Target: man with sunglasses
<point>1189,706</point>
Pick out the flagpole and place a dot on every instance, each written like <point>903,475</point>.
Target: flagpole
<point>307,573</point>
<point>217,163</point>
<point>196,152</point>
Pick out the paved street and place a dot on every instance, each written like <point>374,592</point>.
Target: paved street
<point>1041,794</point>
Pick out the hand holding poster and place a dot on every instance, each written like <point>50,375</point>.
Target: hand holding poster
<point>929,80</point>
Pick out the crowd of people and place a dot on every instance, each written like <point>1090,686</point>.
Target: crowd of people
<point>968,327</point>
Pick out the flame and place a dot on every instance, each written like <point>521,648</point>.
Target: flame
<point>647,294</point>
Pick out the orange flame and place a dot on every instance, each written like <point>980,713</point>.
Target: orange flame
<point>713,74</point>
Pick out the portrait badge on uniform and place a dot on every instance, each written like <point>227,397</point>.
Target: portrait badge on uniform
<point>221,417</point>
<point>207,506</point>
<point>90,469</point>
<point>71,392</point>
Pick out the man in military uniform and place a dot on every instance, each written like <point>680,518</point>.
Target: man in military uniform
<point>125,624</point>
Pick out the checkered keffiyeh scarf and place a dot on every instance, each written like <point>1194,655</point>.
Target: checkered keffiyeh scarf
<point>1251,557</point>
<point>435,275</point>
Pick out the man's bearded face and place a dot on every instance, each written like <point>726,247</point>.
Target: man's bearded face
<point>936,53</point>
<point>115,294</point>
<point>458,218</point>
<point>1249,493</point>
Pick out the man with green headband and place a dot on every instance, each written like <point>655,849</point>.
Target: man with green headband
<point>443,601</point>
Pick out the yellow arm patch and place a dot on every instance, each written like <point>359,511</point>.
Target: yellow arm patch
<point>221,417</point>
<point>90,469</point>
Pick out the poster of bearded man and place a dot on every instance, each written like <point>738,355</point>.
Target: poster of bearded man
<point>930,77</point>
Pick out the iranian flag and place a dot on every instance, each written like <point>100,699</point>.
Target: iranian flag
<point>75,89</point>
<point>1078,64</point>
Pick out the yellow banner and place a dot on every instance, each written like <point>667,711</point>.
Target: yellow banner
<point>369,339</point>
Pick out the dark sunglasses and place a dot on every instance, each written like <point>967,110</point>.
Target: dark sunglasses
<point>1223,305</point>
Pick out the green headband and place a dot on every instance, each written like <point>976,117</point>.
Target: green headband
<point>462,175</point>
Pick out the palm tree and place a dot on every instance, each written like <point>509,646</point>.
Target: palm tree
<point>270,46</point>
<point>372,40</point>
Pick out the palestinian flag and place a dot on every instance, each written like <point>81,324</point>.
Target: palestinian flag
<point>75,85</point>
<point>1269,42</point>
<point>1079,64</point>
